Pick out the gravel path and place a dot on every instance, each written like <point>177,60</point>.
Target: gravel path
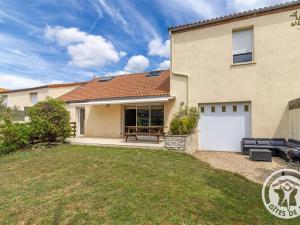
<point>241,164</point>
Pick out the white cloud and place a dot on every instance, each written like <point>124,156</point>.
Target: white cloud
<point>85,50</point>
<point>241,5</point>
<point>94,51</point>
<point>137,63</point>
<point>65,36</point>
<point>158,48</point>
<point>165,65</point>
<point>129,18</point>
<point>123,54</point>
<point>115,14</point>
<point>15,82</point>
<point>190,10</point>
<point>119,72</point>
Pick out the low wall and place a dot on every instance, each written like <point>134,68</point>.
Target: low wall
<point>185,143</point>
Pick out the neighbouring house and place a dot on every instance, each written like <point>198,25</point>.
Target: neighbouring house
<point>105,107</point>
<point>27,97</point>
<point>240,70</point>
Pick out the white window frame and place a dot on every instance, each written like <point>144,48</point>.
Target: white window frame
<point>250,28</point>
<point>31,98</point>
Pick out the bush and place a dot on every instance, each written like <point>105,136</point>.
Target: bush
<point>185,121</point>
<point>50,121</point>
<point>5,113</point>
<point>14,137</point>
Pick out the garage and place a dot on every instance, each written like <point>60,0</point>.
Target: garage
<point>222,126</point>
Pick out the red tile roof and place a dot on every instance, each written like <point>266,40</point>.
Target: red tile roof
<point>121,86</point>
<point>3,90</point>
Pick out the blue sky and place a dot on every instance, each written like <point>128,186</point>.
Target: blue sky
<point>55,41</point>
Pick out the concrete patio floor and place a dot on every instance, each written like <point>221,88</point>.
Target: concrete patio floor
<point>140,143</point>
<point>241,164</point>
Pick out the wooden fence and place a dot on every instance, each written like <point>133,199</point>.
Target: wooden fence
<point>73,129</point>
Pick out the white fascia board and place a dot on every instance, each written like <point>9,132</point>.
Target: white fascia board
<point>125,101</point>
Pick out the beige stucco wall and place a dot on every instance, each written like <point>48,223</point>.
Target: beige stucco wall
<point>206,55</point>
<point>103,121</point>
<point>107,121</point>
<point>294,121</point>
<point>22,99</point>
<point>59,91</point>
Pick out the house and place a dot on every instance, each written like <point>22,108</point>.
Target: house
<point>27,97</point>
<point>240,70</point>
<point>3,90</point>
<point>105,107</point>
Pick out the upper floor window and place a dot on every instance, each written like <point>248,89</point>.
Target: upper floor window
<point>242,46</point>
<point>33,98</point>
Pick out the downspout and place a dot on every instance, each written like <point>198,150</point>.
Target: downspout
<point>179,74</point>
<point>188,77</point>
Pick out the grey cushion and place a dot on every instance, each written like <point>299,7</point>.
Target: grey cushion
<point>277,143</point>
<point>259,146</point>
<point>250,142</point>
<point>291,145</point>
<point>282,148</point>
<point>294,141</point>
<point>263,142</point>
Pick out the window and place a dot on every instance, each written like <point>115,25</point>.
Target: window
<point>4,99</point>
<point>246,108</point>
<point>143,116</point>
<point>202,109</point>
<point>242,46</point>
<point>146,115</point>
<point>213,109</point>
<point>33,98</point>
<point>223,108</point>
<point>156,115</point>
<point>234,108</point>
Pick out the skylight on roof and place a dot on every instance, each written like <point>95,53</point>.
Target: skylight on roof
<point>105,79</point>
<point>154,73</point>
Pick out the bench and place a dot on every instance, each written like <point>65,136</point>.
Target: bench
<point>134,131</point>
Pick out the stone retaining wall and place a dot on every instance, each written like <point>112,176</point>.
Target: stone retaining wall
<point>185,143</point>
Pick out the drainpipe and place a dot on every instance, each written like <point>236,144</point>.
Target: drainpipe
<point>188,77</point>
<point>179,74</point>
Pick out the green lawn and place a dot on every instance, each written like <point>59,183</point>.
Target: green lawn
<point>94,185</point>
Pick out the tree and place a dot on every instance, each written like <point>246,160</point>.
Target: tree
<point>50,121</point>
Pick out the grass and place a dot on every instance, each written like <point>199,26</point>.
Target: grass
<point>94,185</point>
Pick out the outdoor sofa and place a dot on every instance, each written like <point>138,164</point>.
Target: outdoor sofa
<point>278,146</point>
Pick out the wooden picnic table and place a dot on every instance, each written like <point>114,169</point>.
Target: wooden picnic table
<point>135,131</point>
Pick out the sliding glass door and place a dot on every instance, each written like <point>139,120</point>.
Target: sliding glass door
<point>142,115</point>
<point>145,115</point>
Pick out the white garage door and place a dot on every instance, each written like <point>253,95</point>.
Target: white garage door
<point>222,126</point>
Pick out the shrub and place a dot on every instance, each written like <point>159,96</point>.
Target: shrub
<point>50,121</point>
<point>5,113</point>
<point>14,137</point>
<point>185,121</point>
